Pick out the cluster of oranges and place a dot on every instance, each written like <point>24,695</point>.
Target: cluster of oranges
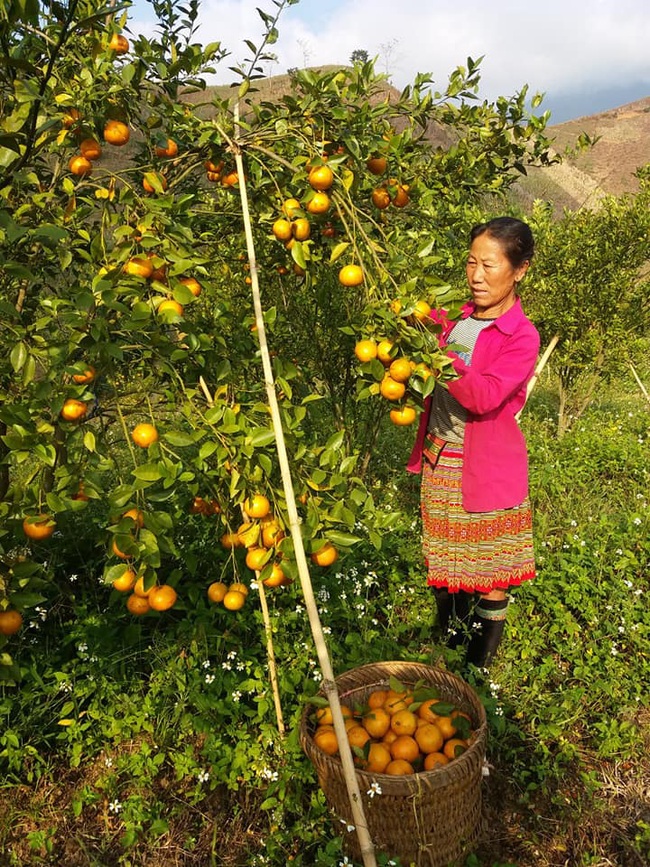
<point>142,598</point>
<point>216,172</point>
<point>232,597</point>
<point>393,734</point>
<point>73,409</point>
<point>152,267</point>
<point>391,192</point>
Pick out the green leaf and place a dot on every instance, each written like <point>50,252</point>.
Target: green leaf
<point>18,356</point>
<point>179,439</point>
<point>89,440</point>
<point>261,437</point>
<point>340,539</point>
<point>148,472</point>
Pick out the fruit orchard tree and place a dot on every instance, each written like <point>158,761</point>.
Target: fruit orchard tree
<point>133,402</point>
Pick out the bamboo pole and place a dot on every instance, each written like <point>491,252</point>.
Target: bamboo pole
<point>541,364</point>
<point>644,390</point>
<point>329,685</point>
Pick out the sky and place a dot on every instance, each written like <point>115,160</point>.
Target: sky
<point>584,55</point>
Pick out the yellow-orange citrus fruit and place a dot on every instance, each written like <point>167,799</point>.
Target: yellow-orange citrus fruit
<point>136,515</point>
<point>234,600</point>
<point>272,533</point>
<point>384,351</point>
<point>324,715</point>
<point>10,621</point>
<point>401,197</point>
<point>126,581</point>
<point>71,117</point>
<point>379,758</point>
<point>257,506</point>
<point>301,229</point>
<point>138,267</point>
<point>116,132</point>
<point>326,555</point>
<point>282,229</point>
<point>399,768</point>
<point>144,435</point>
<point>446,726</point>
<point>163,598</point>
<point>351,275</point>
<point>249,534</point>
<point>376,722</point>
<point>238,587</point>
<point>454,747</point>
<point>216,591</point>
<point>400,369</point>
<point>291,207</point>
<point>138,605</point>
<point>358,736</point>
<point>403,416</point>
<point>377,698</point>
<point>426,710</point>
<point>318,204</point>
<point>84,378</point>
<point>119,553</point>
<point>277,577</point>
<point>74,410</point>
<point>170,150</point>
<point>389,737</point>
<point>365,350</point>
<point>395,703</point>
<point>325,740</point>
<point>90,149</point>
<point>140,589</point>
<point>377,165</point>
<point>392,390</point>
<point>256,558</point>
<point>404,722</point>
<point>405,747</point>
<point>231,540</point>
<point>119,43</point>
<point>214,168</point>
<point>380,198</point>
<point>231,179</point>
<point>149,187</point>
<point>80,166</point>
<point>429,738</point>
<point>170,307</point>
<point>321,178</point>
<point>192,284</point>
<point>421,311</point>
<point>435,760</point>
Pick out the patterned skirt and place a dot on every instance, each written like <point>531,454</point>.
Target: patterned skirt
<point>471,551</point>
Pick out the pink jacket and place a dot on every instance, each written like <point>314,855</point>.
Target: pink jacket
<point>492,390</point>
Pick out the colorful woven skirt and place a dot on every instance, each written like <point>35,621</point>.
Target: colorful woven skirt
<point>471,551</point>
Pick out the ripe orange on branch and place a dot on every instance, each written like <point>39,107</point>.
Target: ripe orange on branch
<point>169,307</point>
<point>326,555</point>
<point>90,149</point>
<point>138,605</point>
<point>216,591</point>
<point>377,165</point>
<point>365,350</point>
<point>380,198</point>
<point>86,377</point>
<point>138,267</point>
<point>162,598</point>
<point>234,600</point>
<point>38,527</point>
<point>74,410</point>
<point>403,416</point>
<point>321,178</point>
<point>157,179</point>
<point>170,150</point>
<point>116,133</point>
<point>119,44</point>
<point>10,621</point>
<point>319,203</point>
<point>282,229</point>
<point>257,506</point>
<point>126,581</point>
<point>193,285</point>
<point>301,229</point>
<point>400,369</point>
<point>392,390</point>
<point>80,166</point>
<point>385,351</point>
<point>351,275</point>
<point>144,435</point>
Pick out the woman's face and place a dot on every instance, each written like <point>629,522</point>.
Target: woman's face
<point>491,277</point>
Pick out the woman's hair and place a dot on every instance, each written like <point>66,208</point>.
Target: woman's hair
<point>514,236</point>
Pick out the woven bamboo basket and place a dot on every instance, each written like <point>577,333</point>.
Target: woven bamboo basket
<point>430,819</point>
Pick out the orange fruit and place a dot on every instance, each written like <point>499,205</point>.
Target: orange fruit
<point>80,166</point>
<point>272,533</point>
<point>377,698</point>
<point>139,588</point>
<point>126,581</point>
<point>291,207</point>
<point>425,710</point>
<point>395,703</point>
<point>213,168</point>
<point>379,758</point>
<point>90,149</point>
<point>392,390</point>
<point>71,117</point>
<point>405,747</point>
<point>116,132</point>
<point>119,44</point>
<point>321,178</point>
<point>401,197</point>
<point>351,275</point>
<point>277,577</point>
<point>435,760</point>
<point>138,605</point>
<point>384,351</point>
<point>149,187</point>
<point>325,740</point>
<point>377,165</point>
<point>399,767</point>
<point>446,726</point>
<point>238,587</point>
<point>454,748</point>
<point>324,716</point>
<point>199,506</point>
<point>234,600</point>
<point>301,229</point>
<point>358,736</point>
<point>403,416</point>
<point>365,350</point>
<point>256,558</point>
<point>231,179</point>
<point>144,435</point>
<point>170,150</point>
<point>429,738</point>
<point>389,737</point>
<point>380,198</point>
<point>257,506</point>
<point>282,229</point>
<point>404,722</point>
<point>73,410</point>
<point>376,722</point>
<point>326,555</point>
<point>422,311</point>
<point>231,540</point>
<point>319,203</point>
<point>118,553</point>
<point>10,621</point>
<point>138,267</point>
<point>216,591</point>
<point>193,285</point>
<point>400,369</point>
<point>163,598</point>
<point>84,378</point>
<point>170,307</point>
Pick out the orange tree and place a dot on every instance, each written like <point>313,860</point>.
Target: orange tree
<point>132,392</point>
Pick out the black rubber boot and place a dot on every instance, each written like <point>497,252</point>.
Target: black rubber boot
<point>453,615</point>
<point>488,620</point>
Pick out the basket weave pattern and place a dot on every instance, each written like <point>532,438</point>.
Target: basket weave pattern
<point>430,819</point>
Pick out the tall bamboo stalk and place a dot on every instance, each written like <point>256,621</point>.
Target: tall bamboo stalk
<point>329,685</point>
<point>541,364</point>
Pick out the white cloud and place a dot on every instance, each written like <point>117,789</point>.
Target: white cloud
<point>553,46</point>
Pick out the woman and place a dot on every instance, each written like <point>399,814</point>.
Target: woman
<point>477,523</point>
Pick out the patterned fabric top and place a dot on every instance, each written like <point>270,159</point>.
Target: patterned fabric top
<point>447,417</point>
